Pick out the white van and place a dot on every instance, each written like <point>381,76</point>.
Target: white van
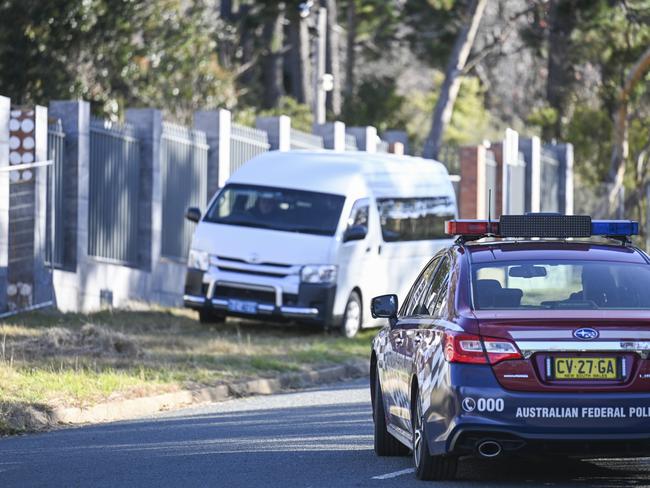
<point>313,236</point>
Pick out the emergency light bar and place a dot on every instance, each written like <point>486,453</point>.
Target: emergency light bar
<point>543,226</point>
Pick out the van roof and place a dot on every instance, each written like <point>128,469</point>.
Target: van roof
<point>343,173</point>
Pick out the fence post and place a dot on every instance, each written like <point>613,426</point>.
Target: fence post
<point>510,156</point>
<point>333,134</point>
<point>565,157</point>
<point>366,138</point>
<point>278,130</point>
<point>43,288</point>
<point>473,197</point>
<point>217,125</point>
<point>5,109</point>
<point>397,136</point>
<point>148,124</point>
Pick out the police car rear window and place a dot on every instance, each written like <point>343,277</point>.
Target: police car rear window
<point>571,285</point>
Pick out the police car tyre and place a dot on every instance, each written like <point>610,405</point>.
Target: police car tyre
<point>428,467</point>
<point>210,317</point>
<point>352,317</point>
<point>385,444</point>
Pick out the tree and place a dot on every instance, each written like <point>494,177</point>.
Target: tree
<point>273,40</point>
<point>453,77</point>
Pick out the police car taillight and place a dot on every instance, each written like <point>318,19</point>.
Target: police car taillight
<point>471,349</point>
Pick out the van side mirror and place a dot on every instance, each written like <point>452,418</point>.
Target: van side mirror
<point>193,214</point>
<point>385,306</point>
<point>355,233</point>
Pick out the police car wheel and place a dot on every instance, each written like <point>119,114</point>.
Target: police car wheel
<point>385,444</point>
<point>428,467</point>
<point>210,317</point>
<point>352,316</point>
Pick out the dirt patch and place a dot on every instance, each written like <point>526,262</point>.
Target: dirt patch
<point>91,339</point>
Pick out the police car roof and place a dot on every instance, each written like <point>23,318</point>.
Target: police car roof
<point>346,172</point>
<point>485,252</point>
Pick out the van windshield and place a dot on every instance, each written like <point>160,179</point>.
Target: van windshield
<point>561,284</point>
<point>277,209</point>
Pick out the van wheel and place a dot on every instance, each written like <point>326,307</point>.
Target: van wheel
<point>210,317</point>
<point>353,316</point>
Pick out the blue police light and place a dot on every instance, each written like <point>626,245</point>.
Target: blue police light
<point>614,228</point>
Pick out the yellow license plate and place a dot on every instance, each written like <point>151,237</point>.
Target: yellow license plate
<point>585,369</point>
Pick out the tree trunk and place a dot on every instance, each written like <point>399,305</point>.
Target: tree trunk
<point>449,91</point>
<point>273,36</point>
<point>562,20</point>
<point>300,71</point>
<point>620,148</point>
<point>351,49</point>
<point>332,61</point>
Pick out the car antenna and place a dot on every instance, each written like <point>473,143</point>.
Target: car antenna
<point>489,215</point>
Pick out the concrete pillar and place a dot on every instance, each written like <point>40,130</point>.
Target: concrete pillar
<point>366,138</point>
<point>510,156</point>
<point>497,151</point>
<point>5,108</point>
<point>75,119</point>
<point>333,134</point>
<point>43,291</point>
<point>148,124</point>
<point>397,136</point>
<point>473,194</point>
<point>396,148</point>
<point>217,126</point>
<point>278,130</point>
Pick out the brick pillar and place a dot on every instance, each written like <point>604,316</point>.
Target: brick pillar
<point>217,127</point>
<point>333,134</point>
<point>5,108</point>
<point>278,130</point>
<point>473,193</point>
<point>396,148</point>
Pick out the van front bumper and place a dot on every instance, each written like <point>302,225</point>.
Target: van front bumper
<point>313,302</point>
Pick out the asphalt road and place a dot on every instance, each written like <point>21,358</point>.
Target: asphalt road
<point>320,437</point>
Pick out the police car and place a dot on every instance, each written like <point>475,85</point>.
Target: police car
<point>528,335</point>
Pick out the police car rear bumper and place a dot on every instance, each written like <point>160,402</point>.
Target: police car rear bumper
<point>580,424</point>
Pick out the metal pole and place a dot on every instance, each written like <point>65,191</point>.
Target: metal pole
<point>319,64</point>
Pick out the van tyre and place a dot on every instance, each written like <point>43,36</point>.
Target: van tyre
<point>385,443</point>
<point>428,467</point>
<point>353,316</point>
<point>210,317</point>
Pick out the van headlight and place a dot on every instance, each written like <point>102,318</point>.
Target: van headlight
<point>318,273</point>
<point>198,260</point>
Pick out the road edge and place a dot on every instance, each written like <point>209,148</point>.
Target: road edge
<point>30,419</point>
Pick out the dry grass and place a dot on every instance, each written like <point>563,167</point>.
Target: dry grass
<point>50,359</point>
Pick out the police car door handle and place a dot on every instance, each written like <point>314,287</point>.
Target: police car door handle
<point>399,340</point>
<point>418,338</point>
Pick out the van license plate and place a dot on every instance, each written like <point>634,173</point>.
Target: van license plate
<point>604,368</point>
<point>242,306</point>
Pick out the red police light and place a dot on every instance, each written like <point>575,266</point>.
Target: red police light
<point>471,227</point>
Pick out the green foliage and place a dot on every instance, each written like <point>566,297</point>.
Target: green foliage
<point>114,53</point>
<point>377,102</point>
<point>543,117</point>
<point>301,116</point>
<point>590,132</point>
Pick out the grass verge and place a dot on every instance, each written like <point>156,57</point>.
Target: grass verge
<point>51,359</point>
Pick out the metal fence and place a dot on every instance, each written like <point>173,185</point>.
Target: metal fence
<point>113,192</point>
<point>383,146</point>
<point>54,248</point>
<point>184,168</point>
<point>304,140</point>
<point>245,144</point>
<point>351,143</point>
<point>550,185</point>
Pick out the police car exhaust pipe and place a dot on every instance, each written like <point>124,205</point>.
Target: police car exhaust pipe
<point>489,449</point>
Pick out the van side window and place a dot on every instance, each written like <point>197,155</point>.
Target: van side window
<point>414,219</point>
<point>359,215</point>
<point>414,299</point>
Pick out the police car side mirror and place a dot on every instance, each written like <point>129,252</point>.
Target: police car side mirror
<point>385,306</point>
<point>193,214</point>
<point>355,233</point>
